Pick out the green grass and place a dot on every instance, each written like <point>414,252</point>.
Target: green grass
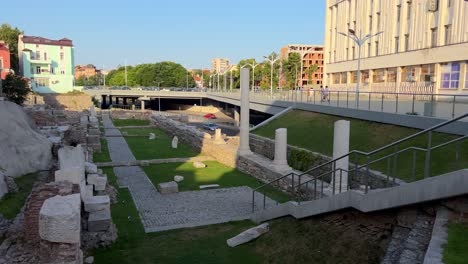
<point>288,241</point>
<point>160,148</point>
<point>214,173</point>
<point>315,132</point>
<point>11,203</point>
<point>130,122</point>
<point>455,252</point>
<point>102,156</point>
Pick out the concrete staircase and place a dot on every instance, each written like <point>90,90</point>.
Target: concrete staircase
<point>435,188</point>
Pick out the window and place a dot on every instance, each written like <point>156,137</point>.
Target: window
<point>368,49</point>
<point>447,34</point>
<point>347,53</point>
<point>44,82</point>
<point>433,37</point>
<point>370,23</point>
<point>391,74</point>
<point>449,3</point>
<point>32,70</point>
<point>376,48</point>
<point>62,71</point>
<point>378,21</point>
<point>398,13</point>
<point>354,77</point>
<point>61,56</point>
<point>354,53</point>
<point>427,72</point>
<point>408,13</point>
<point>336,78</point>
<point>38,69</point>
<point>364,76</point>
<point>334,55</point>
<point>408,74</point>
<point>450,75</point>
<point>406,42</point>
<point>52,70</point>
<point>344,77</point>
<point>378,76</point>
<point>45,55</point>
<point>38,55</point>
<point>397,43</point>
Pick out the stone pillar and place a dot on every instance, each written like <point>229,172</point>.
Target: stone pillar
<point>125,100</point>
<point>244,147</point>
<point>116,100</point>
<point>110,99</point>
<point>281,150</point>
<point>142,105</point>
<point>218,139</point>
<point>236,116</point>
<point>340,148</point>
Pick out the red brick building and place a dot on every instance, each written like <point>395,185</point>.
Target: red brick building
<point>311,55</point>
<point>85,70</point>
<point>4,59</point>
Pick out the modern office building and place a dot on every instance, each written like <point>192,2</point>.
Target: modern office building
<point>311,55</point>
<point>219,65</point>
<point>4,60</point>
<point>48,64</point>
<point>418,46</point>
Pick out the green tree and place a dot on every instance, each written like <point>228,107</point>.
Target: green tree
<point>15,88</point>
<point>10,36</point>
<point>310,73</point>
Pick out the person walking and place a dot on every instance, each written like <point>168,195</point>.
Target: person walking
<point>327,94</point>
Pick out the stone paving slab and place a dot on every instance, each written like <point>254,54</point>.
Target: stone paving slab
<point>180,210</point>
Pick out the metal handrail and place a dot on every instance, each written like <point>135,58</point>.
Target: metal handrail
<point>369,162</point>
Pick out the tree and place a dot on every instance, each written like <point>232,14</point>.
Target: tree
<point>310,72</point>
<point>16,88</point>
<point>10,36</point>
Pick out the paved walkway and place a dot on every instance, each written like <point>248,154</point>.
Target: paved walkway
<point>185,209</point>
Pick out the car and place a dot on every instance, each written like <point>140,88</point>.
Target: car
<point>210,116</point>
<point>210,126</point>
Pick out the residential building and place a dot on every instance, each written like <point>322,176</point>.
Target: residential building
<point>219,65</point>
<point>311,55</point>
<point>422,48</point>
<point>86,71</point>
<point>48,64</point>
<point>4,60</point>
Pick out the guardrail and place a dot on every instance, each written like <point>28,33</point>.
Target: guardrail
<point>329,173</point>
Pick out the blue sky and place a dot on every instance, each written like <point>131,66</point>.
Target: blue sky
<point>187,32</point>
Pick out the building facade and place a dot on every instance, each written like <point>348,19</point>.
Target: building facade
<point>4,60</point>
<point>220,65</point>
<point>421,46</point>
<point>48,64</point>
<point>311,55</point>
<point>86,71</point>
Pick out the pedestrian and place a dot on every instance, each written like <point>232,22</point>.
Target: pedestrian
<point>322,93</point>
<point>327,94</point>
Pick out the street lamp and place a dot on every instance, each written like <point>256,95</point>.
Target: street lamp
<point>232,68</point>
<point>272,62</point>
<point>359,41</point>
<point>253,65</point>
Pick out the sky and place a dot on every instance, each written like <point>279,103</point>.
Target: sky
<point>108,33</point>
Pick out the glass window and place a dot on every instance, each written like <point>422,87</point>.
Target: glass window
<point>427,72</point>
<point>38,55</point>
<point>354,77</point>
<point>38,69</point>
<point>398,13</point>
<point>378,76</point>
<point>61,56</point>
<point>344,77</point>
<point>397,43</point>
<point>447,34</point>
<point>451,75</point>
<point>433,37</point>
<point>406,42</point>
<point>376,48</point>
<point>364,76</point>
<point>408,14</point>
<point>336,78</point>
<point>391,74</point>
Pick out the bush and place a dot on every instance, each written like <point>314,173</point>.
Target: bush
<point>16,88</point>
<point>301,160</point>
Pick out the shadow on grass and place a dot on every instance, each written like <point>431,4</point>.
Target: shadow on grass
<point>11,203</point>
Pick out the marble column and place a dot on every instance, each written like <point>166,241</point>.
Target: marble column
<point>244,147</point>
<point>142,105</point>
<point>281,150</point>
<point>340,148</point>
<point>236,116</point>
<point>218,139</point>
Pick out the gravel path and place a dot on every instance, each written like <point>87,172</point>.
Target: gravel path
<point>185,209</point>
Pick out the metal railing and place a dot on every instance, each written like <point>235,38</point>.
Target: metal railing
<point>312,183</point>
<point>445,105</point>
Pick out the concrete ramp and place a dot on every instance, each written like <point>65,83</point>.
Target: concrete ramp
<point>435,188</point>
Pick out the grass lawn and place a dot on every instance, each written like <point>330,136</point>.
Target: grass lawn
<point>160,148</point>
<point>102,156</point>
<point>214,173</point>
<point>456,250</point>
<point>289,241</point>
<point>315,132</point>
<point>130,122</point>
<point>11,203</point>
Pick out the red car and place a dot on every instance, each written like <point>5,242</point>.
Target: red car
<point>210,116</point>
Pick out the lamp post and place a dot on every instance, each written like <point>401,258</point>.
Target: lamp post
<point>230,84</point>
<point>253,65</point>
<point>359,41</point>
<point>272,62</point>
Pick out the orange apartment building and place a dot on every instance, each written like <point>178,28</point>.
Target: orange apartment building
<point>85,70</point>
<point>311,54</point>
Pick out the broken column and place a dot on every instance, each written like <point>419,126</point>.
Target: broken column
<point>236,116</point>
<point>218,140</point>
<point>281,150</point>
<point>244,147</point>
<point>340,148</point>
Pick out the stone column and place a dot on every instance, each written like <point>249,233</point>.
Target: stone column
<point>125,100</point>
<point>116,100</point>
<point>218,139</point>
<point>340,148</point>
<point>142,105</point>
<point>236,116</point>
<point>281,150</point>
<point>244,147</point>
<point>110,99</point>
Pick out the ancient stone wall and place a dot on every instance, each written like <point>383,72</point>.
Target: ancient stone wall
<point>128,114</point>
<point>68,102</point>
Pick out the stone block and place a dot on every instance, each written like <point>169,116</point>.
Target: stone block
<point>199,165</point>
<point>94,132</point>
<point>3,185</point>
<point>97,203</point>
<point>99,181</point>
<point>73,175</point>
<point>175,142</point>
<point>86,191</point>
<point>90,167</point>
<point>152,136</point>
<point>168,187</point>
<point>60,219</point>
<point>248,235</point>
<point>93,140</point>
<point>84,120</point>
<point>71,157</point>
<point>99,220</point>
<point>178,178</point>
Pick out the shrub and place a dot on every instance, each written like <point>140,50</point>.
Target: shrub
<point>16,88</point>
